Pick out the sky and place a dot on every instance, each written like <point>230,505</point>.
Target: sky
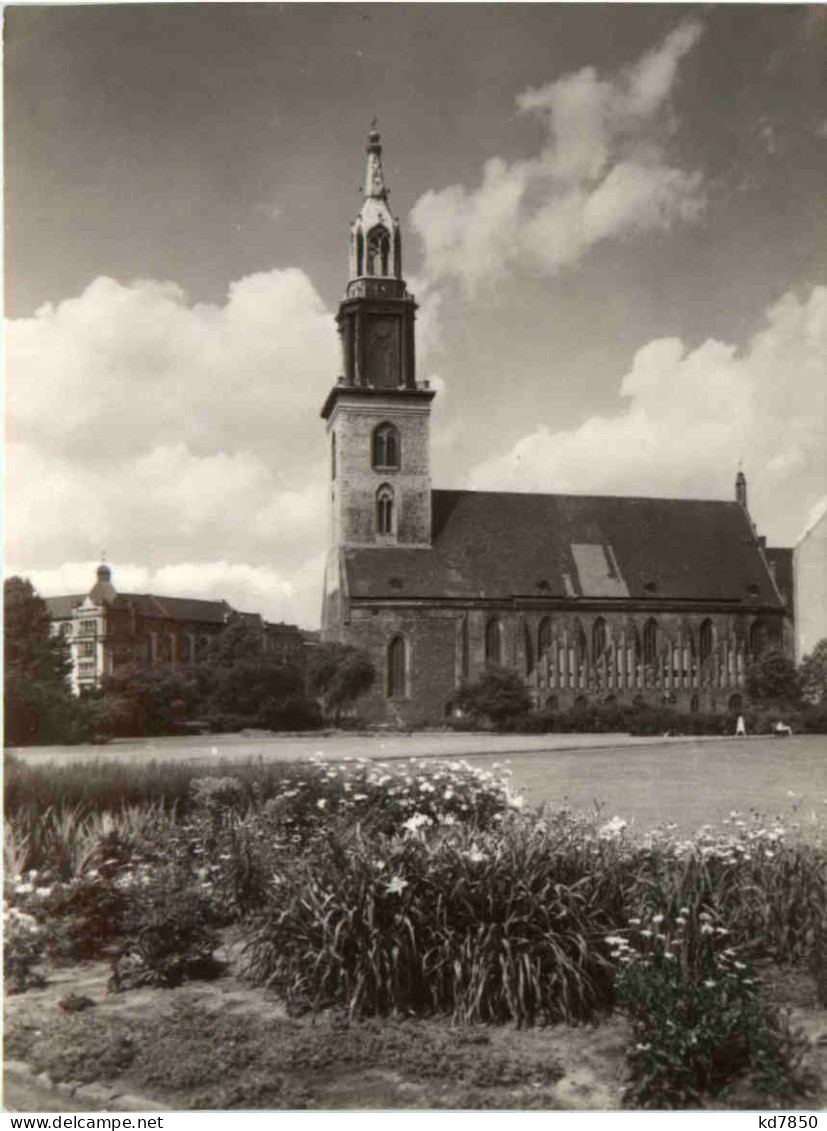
<point>614,221</point>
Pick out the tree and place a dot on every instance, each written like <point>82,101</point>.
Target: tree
<point>142,699</point>
<point>37,703</point>
<point>772,678</point>
<point>498,695</point>
<point>339,674</point>
<point>813,674</point>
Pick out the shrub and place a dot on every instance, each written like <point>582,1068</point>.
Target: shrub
<point>339,675</point>
<point>498,696</point>
<point>772,678</point>
<point>23,949</point>
<point>486,927</point>
<point>698,1020</point>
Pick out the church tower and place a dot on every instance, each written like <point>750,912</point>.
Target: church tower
<point>377,415</point>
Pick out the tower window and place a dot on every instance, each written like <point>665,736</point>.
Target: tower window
<point>384,510</point>
<point>397,668</point>
<point>332,455</point>
<point>378,252</point>
<point>598,639</point>
<point>360,252</point>
<point>493,642</point>
<point>386,449</point>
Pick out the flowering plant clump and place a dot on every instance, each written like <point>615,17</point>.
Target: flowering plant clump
<point>699,1023</point>
<point>23,948</point>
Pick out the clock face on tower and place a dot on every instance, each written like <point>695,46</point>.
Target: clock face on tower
<point>383,353</point>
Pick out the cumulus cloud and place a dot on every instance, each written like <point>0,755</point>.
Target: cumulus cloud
<point>690,415</point>
<point>168,432</point>
<point>602,173</point>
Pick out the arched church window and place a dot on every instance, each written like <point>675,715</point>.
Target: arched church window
<point>396,682</point>
<point>735,703</point>
<point>360,253</point>
<point>756,639</point>
<point>384,510</point>
<point>378,251</point>
<point>694,704</point>
<point>544,636</point>
<point>529,649</point>
<point>332,455</point>
<point>598,639</point>
<point>493,642</point>
<point>386,448</point>
<point>650,641</point>
<point>464,652</point>
<point>705,640</point>
<point>580,642</point>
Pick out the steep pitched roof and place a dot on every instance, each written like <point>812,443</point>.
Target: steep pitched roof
<point>492,545</point>
<point>177,608</point>
<point>61,607</point>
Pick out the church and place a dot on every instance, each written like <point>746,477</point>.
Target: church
<point>589,598</point>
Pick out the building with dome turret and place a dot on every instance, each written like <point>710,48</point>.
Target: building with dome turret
<point>600,598</point>
<point>106,630</point>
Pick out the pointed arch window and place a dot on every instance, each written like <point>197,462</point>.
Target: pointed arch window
<point>756,639</point>
<point>360,253</point>
<point>580,642</point>
<point>705,641</point>
<point>332,455</point>
<point>396,681</point>
<point>464,651</point>
<point>493,642</point>
<point>384,510</point>
<point>650,641</point>
<point>378,251</point>
<point>529,649</point>
<point>599,638</point>
<point>544,636</point>
<point>386,449</point>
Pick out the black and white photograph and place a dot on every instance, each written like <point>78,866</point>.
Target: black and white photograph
<point>415,559</point>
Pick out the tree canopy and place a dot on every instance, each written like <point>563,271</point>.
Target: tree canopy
<point>498,695</point>
<point>339,674</point>
<point>813,674</point>
<point>772,678</point>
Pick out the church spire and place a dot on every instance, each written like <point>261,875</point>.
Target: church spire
<point>374,177</point>
<point>375,241</point>
<point>741,488</point>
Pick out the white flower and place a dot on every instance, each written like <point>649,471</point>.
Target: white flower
<point>709,984</point>
<point>321,803</point>
<point>612,828</point>
<point>397,886</point>
<point>475,855</point>
<point>657,920</point>
<point>615,940</point>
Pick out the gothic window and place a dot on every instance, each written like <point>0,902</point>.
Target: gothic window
<point>464,650</point>
<point>694,704</point>
<point>384,510</point>
<point>650,642</point>
<point>332,455</point>
<point>184,649</point>
<point>360,253</point>
<point>598,639</point>
<point>756,639</point>
<point>386,448</point>
<point>735,703</point>
<point>633,637</point>
<point>544,636</point>
<point>493,642</point>
<point>378,251</point>
<point>529,649</point>
<point>397,668</point>
<point>705,640</point>
<point>580,642</point>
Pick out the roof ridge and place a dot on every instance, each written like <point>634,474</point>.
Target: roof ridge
<point>580,495</point>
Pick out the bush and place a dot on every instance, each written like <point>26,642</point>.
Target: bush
<point>338,675</point>
<point>499,696</point>
<point>485,927</point>
<point>23,949</point>
<point>698,1020</point>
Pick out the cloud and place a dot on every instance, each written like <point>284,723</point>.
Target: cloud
<point>166,432</point>
<point>690,415</point>
<point>602,173</point>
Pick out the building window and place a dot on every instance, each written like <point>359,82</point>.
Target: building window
<point>397,664</point>
<point>735,703</point>
<point>378,251</point>
<point>87,626</point>
<point>493,642</point>
<point>705,641</point>
<point>384,510</point>
<point>86,648</point>
<point>66,628</point>
<point>386,448</point>
<point>544,636</point>
<point>650,642</point>
<point>529,649</point>
<point>464,652</point>
<point>694,704</point>
<point>360,252</point>
<point>598,639</point>
<point>756,639</point>
<point>332,455</point>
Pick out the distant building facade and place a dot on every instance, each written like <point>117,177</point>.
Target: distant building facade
<point>106,630</point>
<point>810,572</point>
<point>588,598</point>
